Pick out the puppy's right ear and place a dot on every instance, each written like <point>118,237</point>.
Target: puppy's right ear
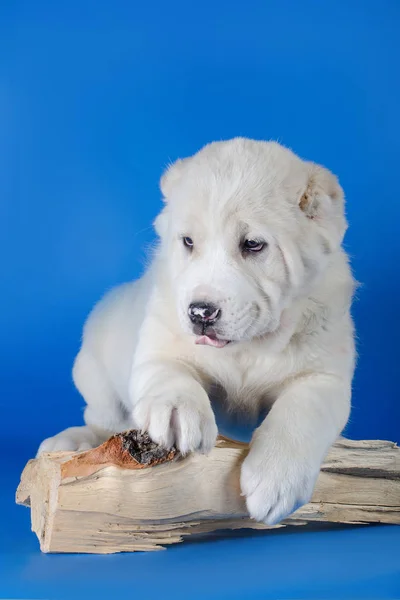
<point>171,177</point>
<point>160,223</point>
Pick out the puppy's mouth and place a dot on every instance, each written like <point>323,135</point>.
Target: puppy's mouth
<point>211,339</point>
<point>207,336</point>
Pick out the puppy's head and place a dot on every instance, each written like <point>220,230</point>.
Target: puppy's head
<point>246,229</point>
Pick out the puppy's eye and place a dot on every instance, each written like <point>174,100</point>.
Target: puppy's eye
<point>253,246</point>
<point>188,242</point>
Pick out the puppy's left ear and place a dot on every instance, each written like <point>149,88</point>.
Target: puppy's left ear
<point>323,202</point>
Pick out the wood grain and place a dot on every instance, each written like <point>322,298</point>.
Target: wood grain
<point>104,501</point>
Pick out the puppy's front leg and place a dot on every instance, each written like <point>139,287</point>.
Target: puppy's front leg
<point>170,403</point>
<point>280,471</point>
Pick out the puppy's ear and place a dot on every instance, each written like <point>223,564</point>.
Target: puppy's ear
<point>171,177</point>
<point>323,202</point>
<point>322,193</point>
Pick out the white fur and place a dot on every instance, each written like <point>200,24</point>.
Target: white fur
<point>285,310</point>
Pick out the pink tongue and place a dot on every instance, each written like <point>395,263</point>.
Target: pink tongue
<point>204,340</point>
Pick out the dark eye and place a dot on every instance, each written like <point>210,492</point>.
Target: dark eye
<point>188,242</point>
<point>253,245</point>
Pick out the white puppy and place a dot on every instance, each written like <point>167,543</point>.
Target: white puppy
<point>249,290</point>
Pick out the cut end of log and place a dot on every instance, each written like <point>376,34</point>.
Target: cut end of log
<point>129,450</point>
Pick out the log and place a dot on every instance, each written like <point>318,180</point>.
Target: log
<point>129,494</point>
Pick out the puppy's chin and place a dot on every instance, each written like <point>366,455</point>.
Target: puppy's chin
<point>221,341</point>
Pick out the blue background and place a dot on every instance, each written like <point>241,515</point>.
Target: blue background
<point>95,99</point>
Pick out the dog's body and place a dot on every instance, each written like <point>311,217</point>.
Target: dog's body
<point>249,290</point>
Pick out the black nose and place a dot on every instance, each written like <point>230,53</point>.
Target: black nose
<point>205,313</point>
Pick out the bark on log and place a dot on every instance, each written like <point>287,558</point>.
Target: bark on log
<point>127,496</point>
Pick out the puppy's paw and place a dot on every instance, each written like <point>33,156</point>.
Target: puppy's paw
<point>72,439</point>
<point>181,420</point>
<point>276,481</point>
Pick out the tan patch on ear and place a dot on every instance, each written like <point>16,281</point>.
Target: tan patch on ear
<point>306,203</point>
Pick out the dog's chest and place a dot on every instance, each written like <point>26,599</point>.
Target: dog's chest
<point>249,378</point>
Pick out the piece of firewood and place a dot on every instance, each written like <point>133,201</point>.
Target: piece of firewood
<point>129,494</point>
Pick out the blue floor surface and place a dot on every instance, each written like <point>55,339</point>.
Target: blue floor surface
<point>350,563</point>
